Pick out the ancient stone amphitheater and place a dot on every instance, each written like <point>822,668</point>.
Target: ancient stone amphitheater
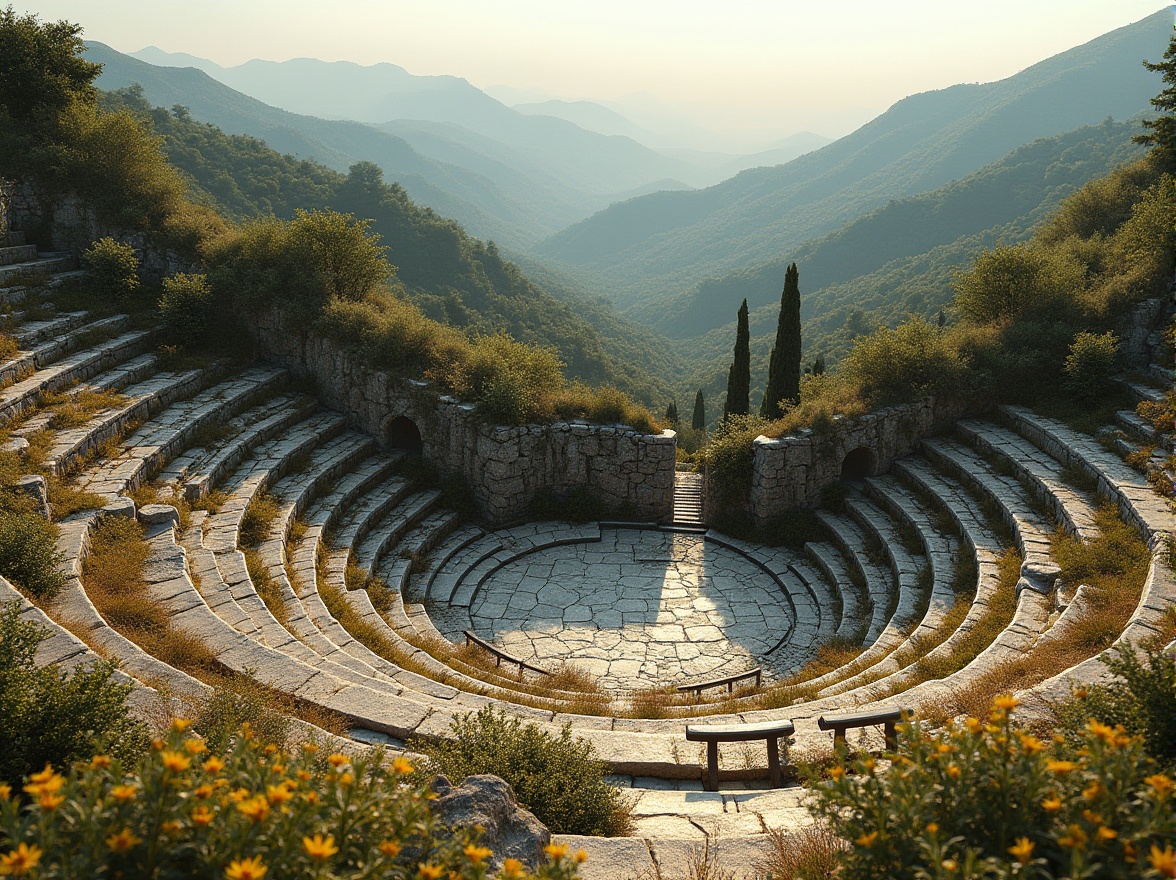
<point>638,605</point>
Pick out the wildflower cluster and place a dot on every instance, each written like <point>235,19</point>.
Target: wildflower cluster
<point>984,799</point>
<point>254,812</point>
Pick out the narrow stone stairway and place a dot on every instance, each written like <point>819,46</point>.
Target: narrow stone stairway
<point>688,501</point>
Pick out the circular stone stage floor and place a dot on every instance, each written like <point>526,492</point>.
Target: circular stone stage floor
<point>638,609</point>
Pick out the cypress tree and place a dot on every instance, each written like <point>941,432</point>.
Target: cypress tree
<point>739,378</point>
<point>784,365</point>
<point>698,421</point>
<point>672,413</point>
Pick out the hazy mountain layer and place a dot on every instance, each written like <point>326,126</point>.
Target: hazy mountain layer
<point>665,242</point>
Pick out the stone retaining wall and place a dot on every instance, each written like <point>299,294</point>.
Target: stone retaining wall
<point>794,472</point>
<point>507,468</point>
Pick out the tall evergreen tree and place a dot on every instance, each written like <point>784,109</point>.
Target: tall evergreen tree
<point>784,365</point>
<point>739,378</point>
<point>1161,131</point>
<point>672,413</point>
<point>698,420</point>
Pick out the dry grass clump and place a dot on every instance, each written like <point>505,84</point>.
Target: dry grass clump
<point>72,410</point>
<point>259,516</point>
<point>8,348</point>
<point>811,853</point>
<point>269,590</point>
<point>113,577</point>
<point>66,498</point>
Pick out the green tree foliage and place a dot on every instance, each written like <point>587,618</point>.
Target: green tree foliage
<point>556,777</point>
<point>1011,281</point>
<point>187,306</point>
<point>698,419</point>
<point>1090,365</point>
<point>739,376</point>
<point>906,363</point>
<point>784,364</point>
<point>41,68</point>
<point>52,716</point>
<point>672,413</point>
<point>114,268</point>
<point>28,553</point>
<point>1161,130</point>
<point>729,456</point>
<point>303,263</point>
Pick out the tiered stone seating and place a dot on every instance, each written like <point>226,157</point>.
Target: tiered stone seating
<point>879,580</point>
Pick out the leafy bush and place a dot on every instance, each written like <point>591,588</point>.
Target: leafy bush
<point>904,364</point>
<point>28,553</point>
<point>729,456</point>
<point>555,777</point>
<point>50,715</point>
<point>186,306</point>
<point>1141,697</point>
<point>984,799</point>
<point>114,268</point>
<point>1090,365</point>
<point>250,811</point>
<point>1010,281</point>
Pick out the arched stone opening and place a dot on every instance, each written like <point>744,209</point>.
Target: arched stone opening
<point>403,434</point>
<point>859,463</point>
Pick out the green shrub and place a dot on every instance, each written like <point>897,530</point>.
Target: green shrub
<point>983,799</point>
<point>904,364</point>
<point>1010,281</point>
<point>1090,365</point>
<point>114,268</point>
<point>28,553</point>
<point>249,811</point>
<point>729,456</point>
<point>1141,697</point>
<point>555,777</point>
<point>49,715</point>
<point>187,308</point>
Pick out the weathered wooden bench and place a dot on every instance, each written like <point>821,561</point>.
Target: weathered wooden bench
<point>500,655</point>
<point>888,718</point>
<point>730,681</point>
<point>713,734</point>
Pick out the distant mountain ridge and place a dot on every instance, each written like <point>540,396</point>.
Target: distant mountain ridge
<point>664,242</point>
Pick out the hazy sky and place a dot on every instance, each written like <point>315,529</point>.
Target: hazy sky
<point>731,64</point>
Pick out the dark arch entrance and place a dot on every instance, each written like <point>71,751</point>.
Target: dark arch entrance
<point>403,435</point>
<point>859,463</point>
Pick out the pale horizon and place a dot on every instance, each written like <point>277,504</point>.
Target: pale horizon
<point>759,66</point>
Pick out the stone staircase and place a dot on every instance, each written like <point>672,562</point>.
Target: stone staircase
<point>882,578</point>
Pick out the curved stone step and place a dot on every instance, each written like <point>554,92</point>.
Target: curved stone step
<point>879,580</point>
<point>856,608</point>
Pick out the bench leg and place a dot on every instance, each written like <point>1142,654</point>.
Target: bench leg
<point>839,744</point>
<point>712,766</point>
<point>774,762</point>
<point>891,734</point>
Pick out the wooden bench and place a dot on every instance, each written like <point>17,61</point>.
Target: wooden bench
<point>729,681</point>
<point>500,655</point>
<point>888,718</point>
<point>713,734</point>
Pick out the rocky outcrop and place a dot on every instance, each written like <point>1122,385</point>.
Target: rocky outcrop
<point>487,802</point>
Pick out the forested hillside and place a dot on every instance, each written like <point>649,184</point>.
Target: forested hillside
<point>896,261</point>
<point>664,243</point>
<point>454,278</point>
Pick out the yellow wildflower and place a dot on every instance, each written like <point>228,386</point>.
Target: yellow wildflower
<point>204,792</point>
<point>954,771</point>
<point>21,860</point>
<point>50,802</point>
<point>1052,804</point>
<point>310,797</point>
<point>1091,792</point>
<point>973,725</point>
<point>345,779</point>
<point>1092,817</point>
<point>1081,693</point>
<point>180,725</point>
<point>1006,702</point>
<point>836,773</point>
<point>304,775</point>
<point>170,827</point>
<point>512,868</point>
<point>1031,744</point>
<point>867,840</point>
<point>477,854</point>
<point>195,746</point>
<point>1074,838</point>
<point>429,872</point>
<point>950,865</point>
<point>1103,731</point>
<point>581,857</point>
<point>556,851</point>
<point>175,762</point>
<point>246,869</point>
<point>122,841</point>
<point>402,765</point>
<point>1107,833</point>
<point>124,793</point>
<point>238,794</point>
<point>256,809</point>
<point>277,794</point>
<point>1161,785</point>
<point>932,828</point>
<point>202,817</point>
<point>100,762</point>
<point>5,791</point>
<point>1163,861</point>
<point>390,848</point>
<point>309,748</point>
<point>337,760</point>
<point>270,749</point>
<point>1023,850</point>
<point>1060,768</point>
<point>869,764</point>
<point>320,848</point>
<point>213,765</point>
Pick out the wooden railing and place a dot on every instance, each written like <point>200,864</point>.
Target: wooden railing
<point>729,680</point>
<point>500,655</point>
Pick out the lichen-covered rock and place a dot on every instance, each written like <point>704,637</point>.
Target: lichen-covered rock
<point>34,485</point>
<point>487,802</point>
